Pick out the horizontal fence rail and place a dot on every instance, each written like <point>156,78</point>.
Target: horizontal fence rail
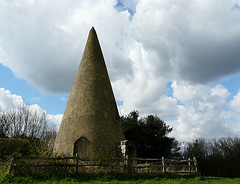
<point>148,165</point>
<point>67,165</point>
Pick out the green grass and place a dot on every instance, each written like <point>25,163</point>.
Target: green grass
<point>114,179</point>
<point>123,179</point>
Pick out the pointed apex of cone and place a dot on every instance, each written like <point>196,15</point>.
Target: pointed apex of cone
<point>92,52</point>
<point>92,33</point>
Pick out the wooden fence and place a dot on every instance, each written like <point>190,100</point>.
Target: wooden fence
<point>67,165</point>
<point>155,166</point>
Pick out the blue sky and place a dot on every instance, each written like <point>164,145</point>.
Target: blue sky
<point>53,104</point>
<point>178,60</point>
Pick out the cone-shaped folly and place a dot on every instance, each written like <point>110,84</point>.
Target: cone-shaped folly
<point>90,126</point>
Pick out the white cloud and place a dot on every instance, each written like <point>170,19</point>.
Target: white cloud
<point>233,115</point>
<point>144,91</point>
<point>234,120</point>
<point>63,98</point>
<point>189,42</point>
<point>42,41</point>
<point>235,103</point>
<point>55,120</point>
<point>201,112</point>
<point>7,100</point>
<point>196,41</point>
<point>236,127</point>
<point>12,101</point>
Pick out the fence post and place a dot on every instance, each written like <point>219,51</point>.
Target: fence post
<point>163,165</point>
<point>11,168</point>
<point>196,164</point>
<point>189,164</point>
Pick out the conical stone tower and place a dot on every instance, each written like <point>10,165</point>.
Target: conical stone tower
<point>90,126</point>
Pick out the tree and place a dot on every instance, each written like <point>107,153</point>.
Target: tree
<point>150,135</point>
<point>199,148</point>
<point>217,157</point>
<point>22,122</point>
<point>26,123</point>
<point>4,126</point>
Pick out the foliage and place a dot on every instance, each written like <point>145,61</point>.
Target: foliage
<point>216,157</point>
<point>198,148</point>
<point>30,125</point>
<point>43,146</point>
<point>3,175</point>
<point>22,122</point>
<point>150,135</point>
<point>9,146</point>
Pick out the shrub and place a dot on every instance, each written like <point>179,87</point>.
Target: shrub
<point>9,146</point>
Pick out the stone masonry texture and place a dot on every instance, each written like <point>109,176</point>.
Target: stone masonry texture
<point>91,111</point>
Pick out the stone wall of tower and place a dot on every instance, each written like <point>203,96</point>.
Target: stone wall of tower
<point>91,111</point>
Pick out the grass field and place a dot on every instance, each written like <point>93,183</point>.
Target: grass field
<point>122,180</point>
<point>115,179</point>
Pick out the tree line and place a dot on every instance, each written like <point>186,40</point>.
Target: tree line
<point>217,157</point>
<point>25,123</point>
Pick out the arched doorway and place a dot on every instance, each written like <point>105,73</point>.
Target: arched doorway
<point>81,148</point>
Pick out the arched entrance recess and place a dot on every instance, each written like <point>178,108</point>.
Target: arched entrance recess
<point>81,148</point>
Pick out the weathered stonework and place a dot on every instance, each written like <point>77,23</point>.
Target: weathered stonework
<point>91,119</point>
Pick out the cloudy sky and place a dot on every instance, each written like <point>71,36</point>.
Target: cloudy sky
<point>178,59</point>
